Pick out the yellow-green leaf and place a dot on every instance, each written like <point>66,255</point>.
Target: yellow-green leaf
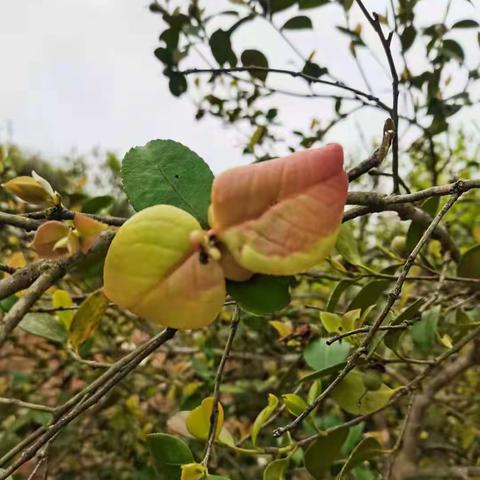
<point>276,470</point>
<point>323,452</point>
<point>294,403</point>
<point>353,397</point>
<point>198,420</point>
<point>193,471</point>
<point>263,417</point>
<point>368,448</point>
<point>62,299</point>
<point>87,318</point>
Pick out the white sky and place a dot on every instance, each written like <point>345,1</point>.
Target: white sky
<point>81,74</point>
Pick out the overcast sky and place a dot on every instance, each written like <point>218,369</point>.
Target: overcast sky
<point>81,74</point>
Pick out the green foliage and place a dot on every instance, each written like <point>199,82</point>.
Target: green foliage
<point>262,294</point>
<point>168,454</point>
<point>320,356</point>
<point>44,325</point>
<point>276,470</point>
<point>321,454</point>
<point>368,448</point>
<point>469,264</point>
<point>167,172</point>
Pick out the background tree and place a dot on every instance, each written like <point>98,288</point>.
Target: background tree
<point>365,367</point>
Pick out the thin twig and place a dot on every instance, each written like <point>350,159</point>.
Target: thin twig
<point>292,73</point>
<point>386,44</point>
<point>29,405</point>
<point>392,297</point>
<point>216,388</point>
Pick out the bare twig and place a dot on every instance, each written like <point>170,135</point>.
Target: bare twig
<point>33,293</point>
<point>216,389</point>
<point>377,157</point>
<point>292,73</point>
<point>386,44</point>
<point>31,406</point>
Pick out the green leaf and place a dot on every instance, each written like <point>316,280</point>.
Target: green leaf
<point>354,435</point>
<point>341,286</point>
<point>274,6</point>
<point>255,58</point>
<point>312,69</point>
<point>198,420</point>
<point>305,4</point>
<point>334,323</point>
<point>168,454</point>
<point>368,448</point>
<point>321,454</point>
<point>7,303</point>
<point>369,294</point>
<point>295,404</point>
<point>221,46</point>
<point>408,37</point>
<point>353,397</point>
<point>320,356</point>
<point>333,370</point>
<point>87,318</point>
<point>392,337</point>
<point>424,332</point>
<point>177,83</point>
<point>276,470</point>
<point>297,23</point>
<point>61,298</point>
<point>453,49</point>
<point>469,264</point>
<point>96,204</point>
<point>346,245</point>
<point>45,326</point>
<point>261,294</point>
<point>263,417</point>
<point>416,229</point>
<point>466,24</point>
<point>167,172</point>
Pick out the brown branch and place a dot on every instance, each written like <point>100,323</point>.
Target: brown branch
<point>377,157</point>
<point>406,212</point>
<point>65,214</point>
<point>292,73</point>
<point>33,293</point>
<point>21,278</point>
<point>362,350</point>
<point>216,389</point>
<point>19,221</point>
<point>20,403</point>
<point>368,198</point>
<point>386,44</point>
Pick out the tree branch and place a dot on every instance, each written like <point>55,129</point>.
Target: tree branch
<point>216,389</point>
<point>392,297</point>
<point>386,44</point>
<point>292,73</point>
<point>20,403</point>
